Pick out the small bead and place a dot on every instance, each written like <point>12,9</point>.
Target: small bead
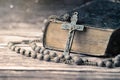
<point>117,58</point>
<point>78,60</point>
<point>33,55</point>
<point>22,51</point>
<point>13,48</point>
<point>53,54</point>
<point>42,50</point>
<point>17,49</point>
<point>68,57</point>
<point>117,63</point>
<point>101,64</point>
<point>66,17</point>
<point>10,44</point>
<point>46,57</point>
<point>109,64</point>
<point>61,56</point>
<point>40,56</point>
<point>46,52</point>
<point>33,46</point>
<point>27,53</point>
<point>56,59</point>
<point>37,49</point>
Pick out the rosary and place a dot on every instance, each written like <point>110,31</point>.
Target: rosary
<point>41,53</point>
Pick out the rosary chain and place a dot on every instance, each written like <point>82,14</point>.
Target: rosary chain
<point>43,54</point>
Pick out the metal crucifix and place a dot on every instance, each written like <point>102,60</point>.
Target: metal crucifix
<point>71,27</point>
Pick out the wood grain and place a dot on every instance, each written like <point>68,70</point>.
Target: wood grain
<point>14,66</point>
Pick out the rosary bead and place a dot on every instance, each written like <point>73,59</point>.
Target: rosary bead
<point>33,46</point>
<point>77,60</point>
<point>53,54</point>
<point>56,59</point>
<point>17,49</point>
<point>13,48</point>
<point>10,44</point>
<point>65,17</point>
<point>117,63</point>
<point>68,57</point>
<point>46,52</point>
<point>33,55</point>
<point>40,56</point>
<point>117,58</point>
<point>22,51</point>
<point>109,64</point>
<point>61,56</point>
<point>37,49</point>
<point>42,50</point>
<point>27,53</point>
<point>46,57</point>
<point>101,64</point>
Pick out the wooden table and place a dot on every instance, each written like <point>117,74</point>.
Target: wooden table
<point>14,66</point>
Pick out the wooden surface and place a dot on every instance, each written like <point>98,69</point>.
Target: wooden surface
<point>14,66</point>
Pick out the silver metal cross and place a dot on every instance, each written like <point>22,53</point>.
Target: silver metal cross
<point>71,27</point>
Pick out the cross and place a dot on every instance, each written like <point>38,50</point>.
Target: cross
<point>72,27</point>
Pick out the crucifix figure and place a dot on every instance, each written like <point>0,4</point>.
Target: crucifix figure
<point>71,27</point>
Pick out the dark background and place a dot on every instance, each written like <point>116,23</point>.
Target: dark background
<point>24,13</point>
